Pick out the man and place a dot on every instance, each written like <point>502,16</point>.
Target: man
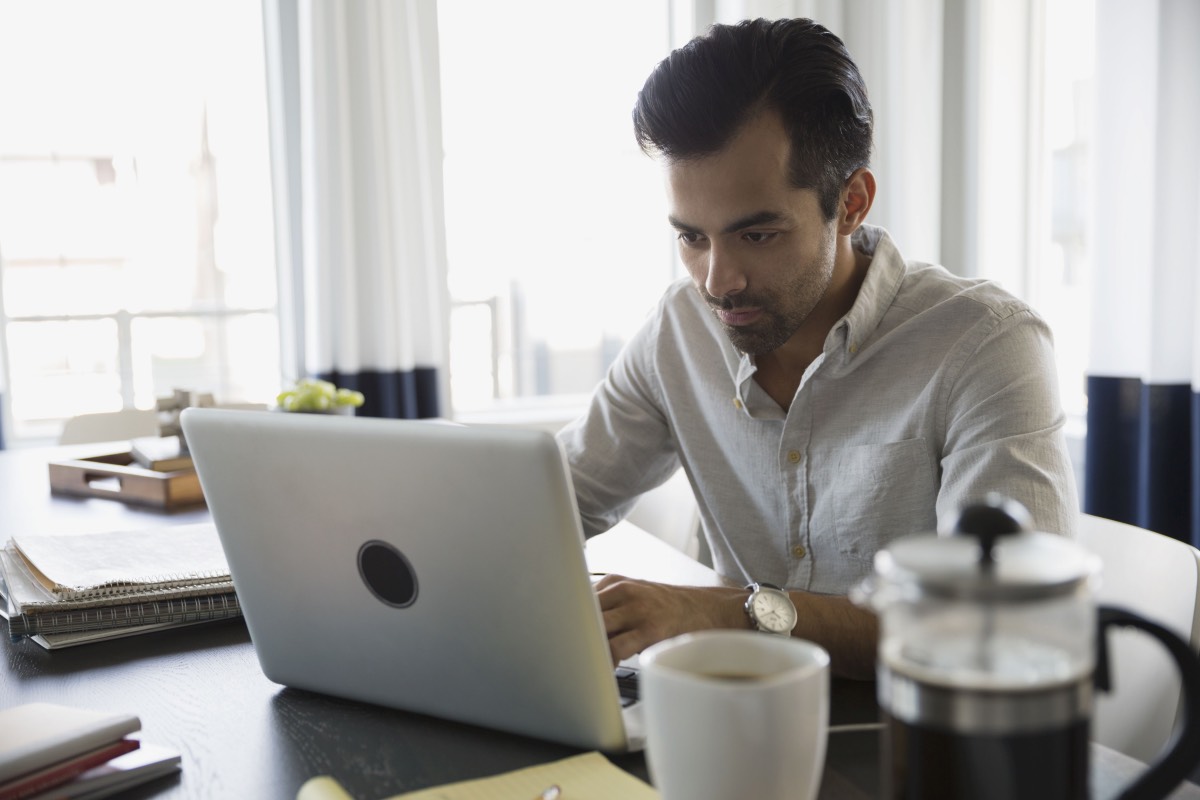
<point>823,395</point>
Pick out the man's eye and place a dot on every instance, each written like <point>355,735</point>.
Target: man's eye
<point>688,237</point>
<point>758,237</point>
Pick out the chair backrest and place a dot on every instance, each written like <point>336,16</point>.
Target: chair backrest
<point>1159,578</point>
<point>129,423</point>
<point>670,512</point>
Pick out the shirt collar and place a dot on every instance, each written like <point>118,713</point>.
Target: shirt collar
<point>884,276</point>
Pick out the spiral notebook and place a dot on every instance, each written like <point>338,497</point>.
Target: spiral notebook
<point>115,581</point>
<point>97,568</point>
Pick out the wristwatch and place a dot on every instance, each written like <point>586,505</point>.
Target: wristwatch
<point>770,609</point>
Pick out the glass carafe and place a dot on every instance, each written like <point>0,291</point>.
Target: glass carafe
<point>990,642</point>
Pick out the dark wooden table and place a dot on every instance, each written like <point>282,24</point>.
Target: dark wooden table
<point>200,690</point>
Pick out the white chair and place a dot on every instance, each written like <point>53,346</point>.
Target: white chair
<point>1156,577</point>
<point>129,423</point>
<point>671,514</point>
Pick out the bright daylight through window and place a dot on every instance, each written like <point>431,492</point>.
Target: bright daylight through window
<point>136,241</point>
<point>556,228</point>
<point>136,244</point>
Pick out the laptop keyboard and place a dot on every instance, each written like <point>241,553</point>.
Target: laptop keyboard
<point>627,685</point>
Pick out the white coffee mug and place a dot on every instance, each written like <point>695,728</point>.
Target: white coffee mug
<point>733,714</point>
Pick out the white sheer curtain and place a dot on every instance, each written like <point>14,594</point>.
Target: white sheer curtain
<point>1143,457</point>
<point>357,156</point>
<point>4,412</point>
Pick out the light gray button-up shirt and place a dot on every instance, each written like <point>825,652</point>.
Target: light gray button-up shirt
<point>932,391</point>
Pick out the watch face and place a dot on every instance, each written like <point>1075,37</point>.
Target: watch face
<point>773,611</point>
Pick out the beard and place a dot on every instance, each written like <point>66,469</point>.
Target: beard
<point>783,312</point>
<point>769,332</point>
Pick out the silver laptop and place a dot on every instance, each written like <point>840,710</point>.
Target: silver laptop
<point>422,566</point>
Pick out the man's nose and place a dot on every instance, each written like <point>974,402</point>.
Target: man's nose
<point>725,276</point>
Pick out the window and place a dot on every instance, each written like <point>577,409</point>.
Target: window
<point>136,242</point>
<point>556,229</point>
<point>136,234</point>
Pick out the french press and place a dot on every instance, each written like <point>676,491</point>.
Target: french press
<point>990,648</point>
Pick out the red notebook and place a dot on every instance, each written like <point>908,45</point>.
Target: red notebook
<point>145,764</point>
<point>38,781</point>
<point>41,737</point>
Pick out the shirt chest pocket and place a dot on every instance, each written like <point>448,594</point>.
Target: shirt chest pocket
<point>877,493</point>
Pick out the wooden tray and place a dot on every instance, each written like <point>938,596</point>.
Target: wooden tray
<point>116,476</point>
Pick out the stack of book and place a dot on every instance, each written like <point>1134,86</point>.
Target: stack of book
<point>48,751</point>
<point>161,453</point>
<point>67,590</point>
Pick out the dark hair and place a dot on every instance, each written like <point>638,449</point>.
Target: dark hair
<point>699,96</point>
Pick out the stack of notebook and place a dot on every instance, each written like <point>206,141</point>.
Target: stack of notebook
<point>53,752</point>
<point>68,590</point>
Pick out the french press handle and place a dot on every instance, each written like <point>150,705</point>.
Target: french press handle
<point>1175,765</point>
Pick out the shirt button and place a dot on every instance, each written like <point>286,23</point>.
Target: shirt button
<point>854,348</point>
<point>794,456</point>
<point>737,402</point>
<point>799,552</point>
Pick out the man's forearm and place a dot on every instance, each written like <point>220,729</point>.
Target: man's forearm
<point>849,633</point>
<point>639,613</point>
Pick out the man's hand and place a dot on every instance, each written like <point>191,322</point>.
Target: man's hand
<point>640,613</point>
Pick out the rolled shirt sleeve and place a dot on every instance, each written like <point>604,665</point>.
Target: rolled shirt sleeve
<point>1004,427</point>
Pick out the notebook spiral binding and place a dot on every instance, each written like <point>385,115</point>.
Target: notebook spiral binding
<point>140,586</point>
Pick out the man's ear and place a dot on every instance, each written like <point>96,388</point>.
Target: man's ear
<point>857,196</point>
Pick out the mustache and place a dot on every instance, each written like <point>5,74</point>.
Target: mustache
<point>727,303</point>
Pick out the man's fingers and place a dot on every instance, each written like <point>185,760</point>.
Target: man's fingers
<point>639,613</point>
<point>624,645</point>
<point>618,618</point>
<point>614,590</point>
<point>608,579</point>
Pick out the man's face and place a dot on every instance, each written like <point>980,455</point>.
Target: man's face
<point>759,251</point>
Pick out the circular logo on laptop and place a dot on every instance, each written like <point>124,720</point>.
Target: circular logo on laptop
<point>387,573</point>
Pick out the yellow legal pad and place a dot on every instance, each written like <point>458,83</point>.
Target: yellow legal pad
<point>590,776</point>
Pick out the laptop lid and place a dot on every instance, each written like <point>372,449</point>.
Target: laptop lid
<point>427,567</point>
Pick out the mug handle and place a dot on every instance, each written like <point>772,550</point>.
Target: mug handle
<point>1176,764</point>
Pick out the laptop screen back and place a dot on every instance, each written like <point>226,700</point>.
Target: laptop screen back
<point>422,566</point>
